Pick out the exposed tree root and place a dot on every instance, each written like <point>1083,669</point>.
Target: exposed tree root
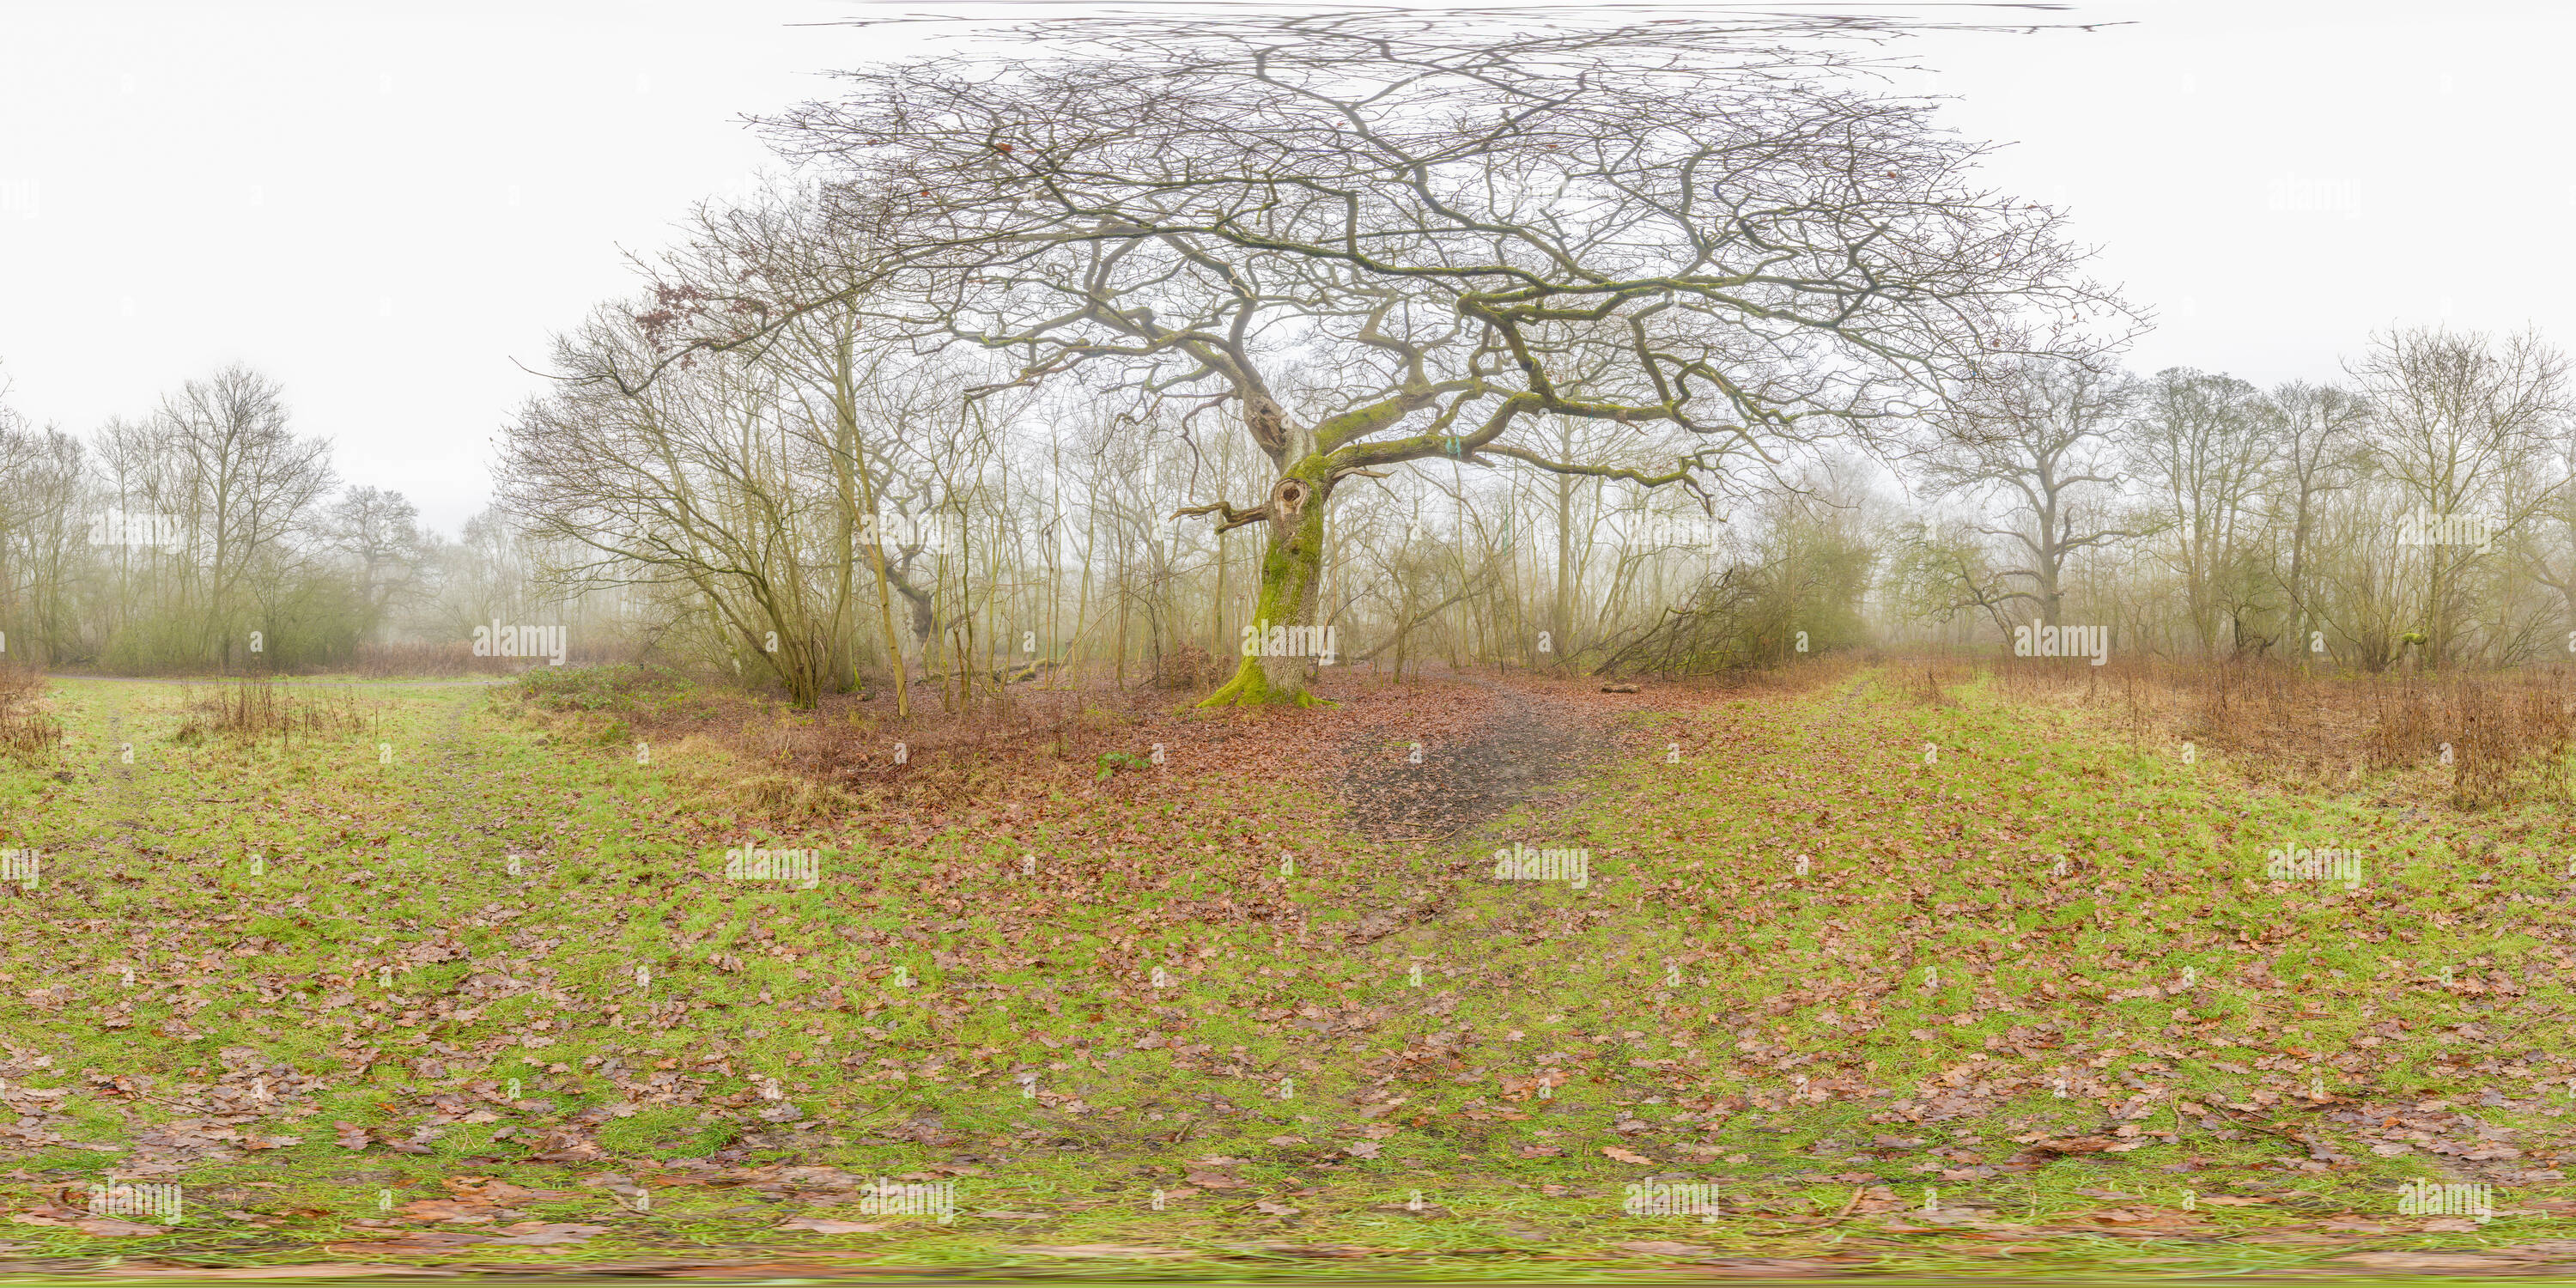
<point>1251,687</point>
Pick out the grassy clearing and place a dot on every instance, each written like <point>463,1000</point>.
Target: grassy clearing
<point>437,975</point>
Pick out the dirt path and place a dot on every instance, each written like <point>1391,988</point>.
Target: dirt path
<point>1496,747</point>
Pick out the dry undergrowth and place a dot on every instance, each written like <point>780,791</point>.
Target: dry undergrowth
<point>248,710</point>
<point>25,729</point>
<point>2497,737</point>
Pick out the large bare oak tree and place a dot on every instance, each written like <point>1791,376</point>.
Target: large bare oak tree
<point>1719,234</point>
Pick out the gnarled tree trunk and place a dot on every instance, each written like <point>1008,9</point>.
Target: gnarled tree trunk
<point>1292,570</point>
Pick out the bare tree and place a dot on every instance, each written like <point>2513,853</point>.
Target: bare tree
<point>218,464</point>
<point>756,260</point>
<point>2196,442</point>
<point>1704,230</point>
<point>379,531</point>
<point>2456,416</point>
<point>697,481</point>
<point>2316,431</point>
<point>42,494</point>
<point>2030,435</point>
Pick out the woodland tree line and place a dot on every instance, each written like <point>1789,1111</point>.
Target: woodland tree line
<point>1675,348</point>
<point>2193,513</point>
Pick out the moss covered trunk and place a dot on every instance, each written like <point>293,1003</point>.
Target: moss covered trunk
<point>1292,571</point>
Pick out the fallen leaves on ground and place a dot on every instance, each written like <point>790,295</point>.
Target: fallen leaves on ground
<point>828,1225</point>
<point>1112,1251</point>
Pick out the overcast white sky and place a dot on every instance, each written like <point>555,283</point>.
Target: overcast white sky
<point>388,207</point>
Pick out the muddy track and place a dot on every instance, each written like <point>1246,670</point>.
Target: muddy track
<point>1512,748</point>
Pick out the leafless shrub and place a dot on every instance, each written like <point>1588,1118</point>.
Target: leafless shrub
<point>249,709</point>
<point>25,730</point>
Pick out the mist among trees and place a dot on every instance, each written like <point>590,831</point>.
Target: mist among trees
<point>1669,348</point>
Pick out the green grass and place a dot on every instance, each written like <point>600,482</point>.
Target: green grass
<point>1701,1003</point>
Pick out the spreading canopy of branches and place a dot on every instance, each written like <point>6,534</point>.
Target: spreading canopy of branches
<point>1719,231</point>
